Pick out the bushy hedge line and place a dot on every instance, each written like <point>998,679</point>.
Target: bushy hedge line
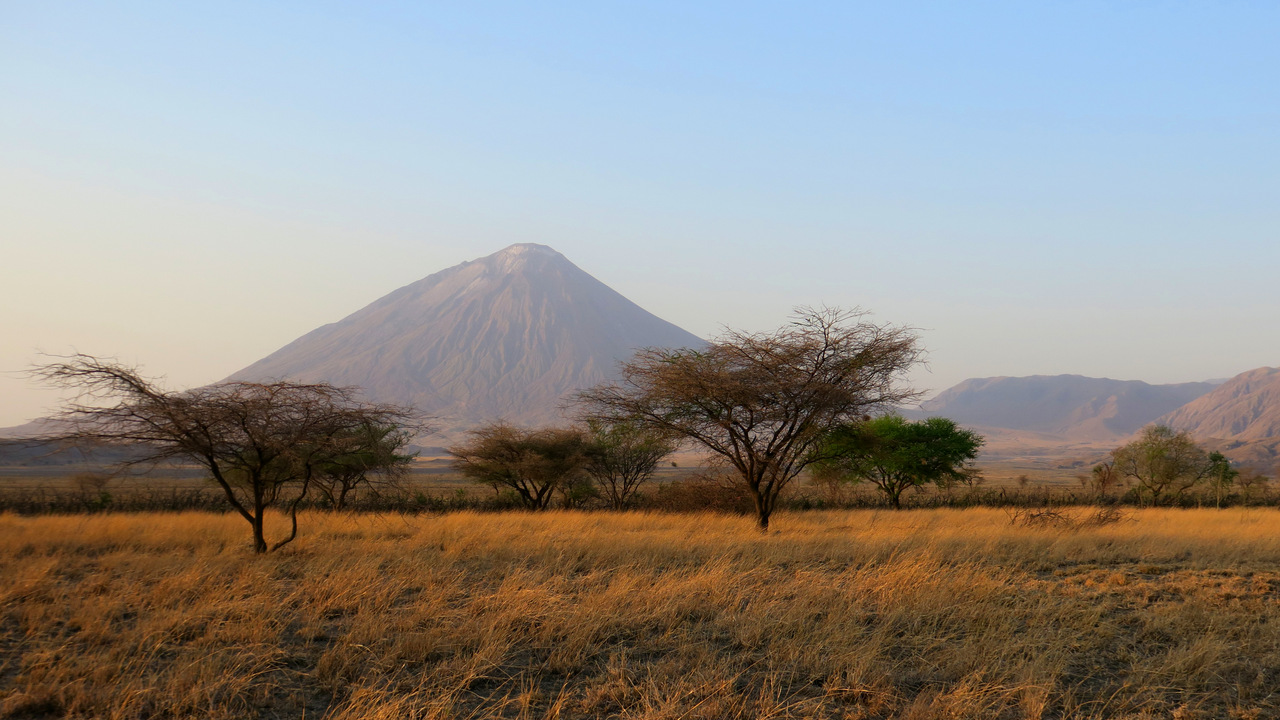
<point>693,494</point>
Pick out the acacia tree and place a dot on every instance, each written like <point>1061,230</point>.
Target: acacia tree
<point>1250,479</point>
<point>622,456</point>
<point>1221,475</point>
<point>1103,477</point>
<point>262,443</point>
<point>374,458</point>
<point>894,454</point>
<point>761,401</point>
<point>1163,462</point>
<point>534,463</point>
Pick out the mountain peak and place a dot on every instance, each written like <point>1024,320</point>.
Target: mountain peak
<point>521,257</point>
<point>509,335</point>
<point>526,249</point>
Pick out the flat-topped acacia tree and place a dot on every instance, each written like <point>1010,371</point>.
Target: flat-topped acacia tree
<point>534,462</point>
<point>762,401</point>
<point>262,443</point>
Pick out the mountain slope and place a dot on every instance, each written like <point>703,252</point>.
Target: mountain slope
<point>509,335</point>
<point>1246,408</point>
<point>1072,406</point>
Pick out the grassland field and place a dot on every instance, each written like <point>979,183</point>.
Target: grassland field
<point>833,614</point>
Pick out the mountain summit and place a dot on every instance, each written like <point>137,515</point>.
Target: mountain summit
<point>505,336</point>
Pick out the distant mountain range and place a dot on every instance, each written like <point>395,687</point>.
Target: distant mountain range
<point>1073,406</point>
<point>509,336</point>
<point>1240,416</point>
<point>1245,408</point>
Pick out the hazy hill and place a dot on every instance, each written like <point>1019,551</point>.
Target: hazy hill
<point>1246,408</point>
<point>508,335</point>
<point>1072,406</point>
<point>35,428</point>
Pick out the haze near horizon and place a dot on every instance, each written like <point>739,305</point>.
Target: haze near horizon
<point>1083,189</point>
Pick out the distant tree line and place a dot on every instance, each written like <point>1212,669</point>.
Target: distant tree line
<point>764,406</point>
<point>814,396</point>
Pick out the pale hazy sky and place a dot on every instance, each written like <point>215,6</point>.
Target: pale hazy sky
<point>1043,188</point>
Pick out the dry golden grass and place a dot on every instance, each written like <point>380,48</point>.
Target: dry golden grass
<point>865,614</point>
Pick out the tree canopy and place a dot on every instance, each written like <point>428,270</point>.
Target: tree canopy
<point>894,453</point>
<point>761,401</point>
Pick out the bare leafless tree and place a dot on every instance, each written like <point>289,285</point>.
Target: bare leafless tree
<point>262,443</point>
<point>761,401</point>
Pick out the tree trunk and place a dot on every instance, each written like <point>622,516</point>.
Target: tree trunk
<point>764,508</point>
<point>528,499</point>
<point>293,515</point>
<point>542,500</point>
<point>259,510</point>
<point>259,541</point>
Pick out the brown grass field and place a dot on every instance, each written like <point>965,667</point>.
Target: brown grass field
<point>858,614</point>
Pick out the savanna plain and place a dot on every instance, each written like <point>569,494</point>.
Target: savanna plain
<point>1153,613</point>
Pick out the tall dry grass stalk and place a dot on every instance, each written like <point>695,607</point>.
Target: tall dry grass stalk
<point>865,614</point>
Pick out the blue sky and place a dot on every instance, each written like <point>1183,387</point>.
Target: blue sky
<point>1042,188</point>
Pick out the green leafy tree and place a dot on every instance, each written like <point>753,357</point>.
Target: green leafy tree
<point>1221,475</point>
<point>622,456</point>
<point>895,454</point>
<point>1163,462</point>
<point>760,402</point>
<point>535,463</point>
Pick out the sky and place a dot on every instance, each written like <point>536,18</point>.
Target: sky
<point>1038,187</point>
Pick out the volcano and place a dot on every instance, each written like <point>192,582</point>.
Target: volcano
<point>509,336</point>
